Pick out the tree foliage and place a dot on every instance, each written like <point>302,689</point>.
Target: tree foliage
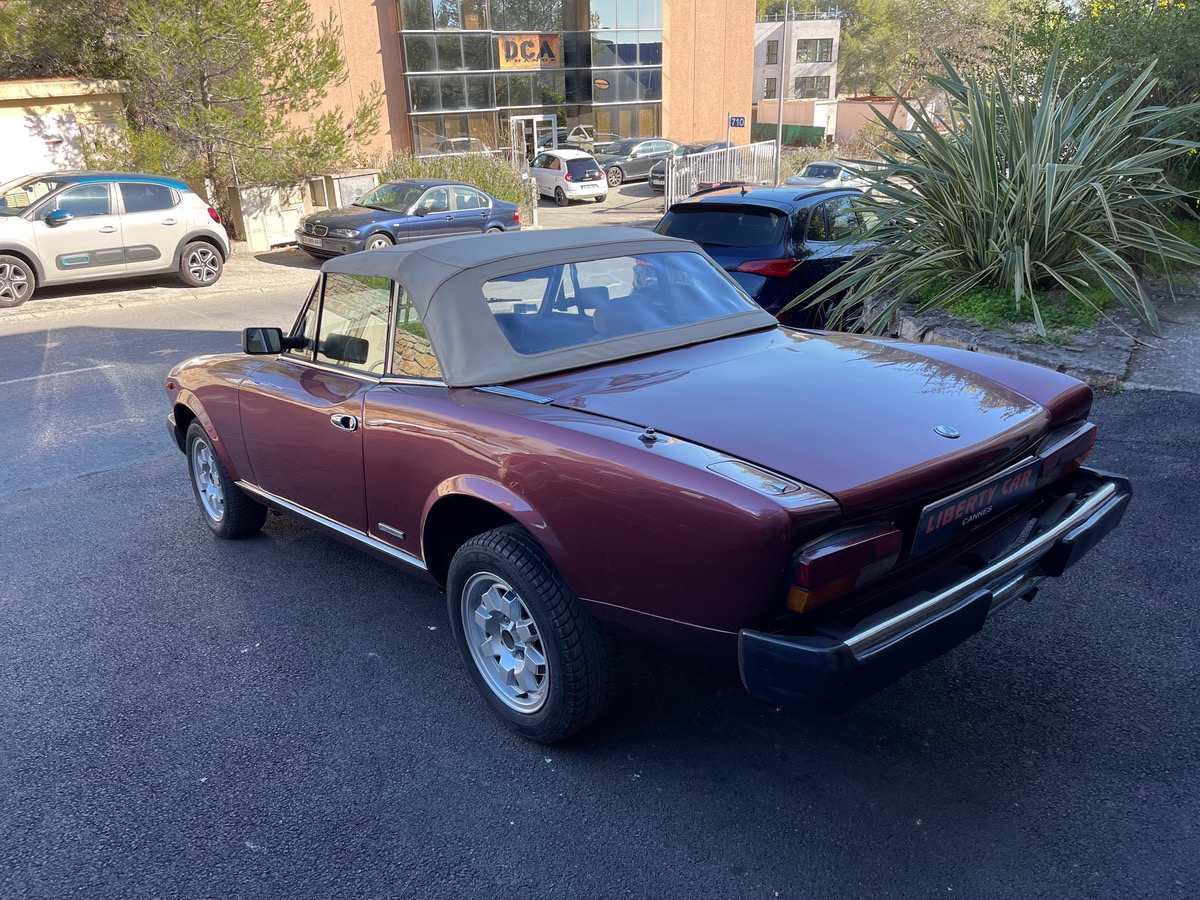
<point>227,91</point>
<point>1061,190</point>
<point>59,39</point>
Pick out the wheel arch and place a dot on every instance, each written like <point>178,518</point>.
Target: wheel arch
<point>187,409</point>
<point>28,258</point>
<point>195,236</point>
<point>462,508</point>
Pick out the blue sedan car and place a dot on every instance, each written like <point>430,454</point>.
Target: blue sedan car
<point>400,211</point>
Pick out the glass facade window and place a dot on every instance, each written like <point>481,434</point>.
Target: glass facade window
<point>813,87</point>
<point>814,50</point>
<point>461,85</point>
<point>772,53</point>
<point>770,92</point>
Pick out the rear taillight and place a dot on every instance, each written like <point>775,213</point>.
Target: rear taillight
<point>567,177</point>
<point>770,268</point>
<point>838,563</point>
<point>517,217</point>
<point>214,215</point>
<point>1066,454</point>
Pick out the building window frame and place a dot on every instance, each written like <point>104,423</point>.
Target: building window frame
<point>772,53</point>
<point>814,50</point>
<point>811,87</point>
<point>771,89</point>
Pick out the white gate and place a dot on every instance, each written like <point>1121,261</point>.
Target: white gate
<point>754,163</point>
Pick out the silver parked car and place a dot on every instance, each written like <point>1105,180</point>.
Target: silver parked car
<point>68,227</point>
<point>568,175</point>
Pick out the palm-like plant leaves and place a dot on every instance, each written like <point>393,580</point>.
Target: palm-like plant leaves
<point>1061,191</point>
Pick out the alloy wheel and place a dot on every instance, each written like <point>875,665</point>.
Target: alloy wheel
<point>504,642</point>
<point>208,480</point>
<point>15,283</point>
<point>203,265</point>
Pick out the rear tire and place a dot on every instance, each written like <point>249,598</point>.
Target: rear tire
<point>560,197</point>
<point>226,509</point>
<point>615,176</point>
<point>200,264</point>
<point>602,198</point>
<point>541,662</point>
<point>17,281</point>
<point>495,229</point>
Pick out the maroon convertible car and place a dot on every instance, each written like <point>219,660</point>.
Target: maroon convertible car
<point>585,432</point>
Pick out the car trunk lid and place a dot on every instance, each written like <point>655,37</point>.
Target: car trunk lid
<point>864,421</point>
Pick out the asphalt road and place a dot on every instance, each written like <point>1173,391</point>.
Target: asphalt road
<point>285,717</point>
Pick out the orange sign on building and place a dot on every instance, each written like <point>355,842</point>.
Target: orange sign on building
<point>529,51</point>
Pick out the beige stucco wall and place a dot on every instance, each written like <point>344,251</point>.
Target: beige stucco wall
<point>42,121</point>
<point>371,49</point>
<point>708,68</point>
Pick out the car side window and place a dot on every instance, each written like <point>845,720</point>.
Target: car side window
<point>436,200</point>
<point>143,197</point>
<point>413,354</point>
<point>83,201</point>
<point>843,221</point>
<point>306,325</point>
<point>555,164</point>
<point>818,228</point>
<point>662,147</point>
<point>468,198</point>
<point>353,329</point>
<point>542,161</point>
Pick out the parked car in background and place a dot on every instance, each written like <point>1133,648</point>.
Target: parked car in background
<point>574,433</point>
<point>830,174</point>
<point>463,145</point>
<point>630,159</point>
<point>568,175</point>
<point>71,227</point>
<point>580,137</point>
<point>774,242</point>
<point>404,211</point>
<point>658,171</point>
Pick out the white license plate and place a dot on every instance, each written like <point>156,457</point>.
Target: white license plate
<point>310,241</point>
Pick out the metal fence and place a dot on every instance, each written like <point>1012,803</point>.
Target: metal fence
<point>754,163</point>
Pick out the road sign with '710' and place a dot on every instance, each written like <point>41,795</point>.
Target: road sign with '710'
<point>737,121</point>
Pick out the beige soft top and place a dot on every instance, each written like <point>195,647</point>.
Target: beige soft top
<point>445,276</point>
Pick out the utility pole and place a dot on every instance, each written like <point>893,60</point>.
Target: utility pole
<point>783,56</point>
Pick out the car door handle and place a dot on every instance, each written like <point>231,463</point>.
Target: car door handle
<point>449,218</point>
<point>108,229</point>
<point>168,221</point>
<point>344,422</point>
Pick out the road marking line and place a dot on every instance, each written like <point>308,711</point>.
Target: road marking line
<point>56,374</point>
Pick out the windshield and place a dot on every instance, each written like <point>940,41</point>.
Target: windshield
<point>710,225</point>
<point>566,305</point>
<point>15,197</point>
<point>392,197</point>
<point>620,148</point>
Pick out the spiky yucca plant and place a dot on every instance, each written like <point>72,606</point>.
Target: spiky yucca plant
<point>1019,194</point>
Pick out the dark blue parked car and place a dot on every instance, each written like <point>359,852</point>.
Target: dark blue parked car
<point>774,242</point>
<point>401,211</point>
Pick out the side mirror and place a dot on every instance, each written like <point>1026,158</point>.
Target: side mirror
<point>57,217</point>
<point>420,212</point>
<point>262,341</point>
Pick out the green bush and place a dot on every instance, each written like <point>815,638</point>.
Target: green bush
<point>490,173</point>
<point>1024,195</point>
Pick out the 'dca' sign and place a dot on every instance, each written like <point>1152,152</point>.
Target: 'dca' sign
<point>529,51</point>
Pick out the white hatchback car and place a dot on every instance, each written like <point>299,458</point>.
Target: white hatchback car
<point>66,227</point>
<point>568,175</point>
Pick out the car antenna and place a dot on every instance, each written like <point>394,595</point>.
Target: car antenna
<point>743,190</point>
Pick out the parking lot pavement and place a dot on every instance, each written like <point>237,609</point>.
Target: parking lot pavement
<point>630,204</point>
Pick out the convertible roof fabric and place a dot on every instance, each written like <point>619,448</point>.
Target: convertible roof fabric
<point>444,278</point>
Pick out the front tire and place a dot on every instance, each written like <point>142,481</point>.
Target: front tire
<point>560,197</point>
<point>539,659</point>
<point>200,264</point>
<point>377,242</point>
<point>615,176</point>
<point>226,509</point>
<point>17,281</point>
